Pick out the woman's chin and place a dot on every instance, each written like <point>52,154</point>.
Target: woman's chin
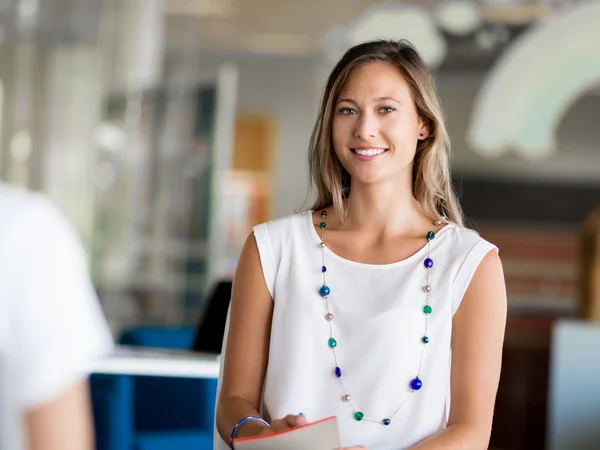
<point>378,177</point>
<point>368,179</point>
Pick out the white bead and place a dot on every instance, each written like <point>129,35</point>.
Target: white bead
<point>322,245</point>
<point>427,288</point>
<point>346,398</point>
<point>437,223</point>
<point>329,317</point>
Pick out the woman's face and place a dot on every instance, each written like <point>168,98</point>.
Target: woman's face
<point>375,125</point>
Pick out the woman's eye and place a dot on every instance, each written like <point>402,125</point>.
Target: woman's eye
<point>387,109</point>
<point>347,111</point>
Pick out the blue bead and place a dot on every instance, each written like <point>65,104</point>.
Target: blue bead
<point>324,291</point>
<point>323,269</point>
<point>428,263</point>
<point>416,384</point>
<point>338,372</point>
<point>425,339</point>
<point>322,224</point>
<point>386,422</point>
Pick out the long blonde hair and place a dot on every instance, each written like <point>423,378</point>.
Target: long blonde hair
<point>432,185</point>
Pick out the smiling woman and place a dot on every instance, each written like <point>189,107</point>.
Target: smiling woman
<point>376,304</point>
<point>369,127</point>
<point>382,91</point>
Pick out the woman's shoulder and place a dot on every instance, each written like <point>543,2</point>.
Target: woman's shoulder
<point>466,238</point>
<point>276,237</point>
<point>286,224</point>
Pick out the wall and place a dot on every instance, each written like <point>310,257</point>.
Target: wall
<point>286,88</point>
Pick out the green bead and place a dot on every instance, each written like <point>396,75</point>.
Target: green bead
<point>332,342</point>
<point>386,421</point>
<point>427,309</point>
<point>322,224</point>
<point>430,235</point>
<point>358,416</point>
<point>425,339</point>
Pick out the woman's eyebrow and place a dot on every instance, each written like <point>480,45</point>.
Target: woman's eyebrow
<point>382,99</point>
<point>378,99</point>
<point>348,100</point>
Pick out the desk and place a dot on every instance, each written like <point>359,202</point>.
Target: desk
<point>158,362</point>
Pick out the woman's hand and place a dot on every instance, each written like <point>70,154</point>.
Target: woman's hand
<point>289,421</point>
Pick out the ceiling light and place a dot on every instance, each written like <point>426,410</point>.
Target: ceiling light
<point>459,17</point>
<point>401,22</point>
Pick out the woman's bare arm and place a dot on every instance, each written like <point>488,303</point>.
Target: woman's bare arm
<point>477,338</point>
<point>247,348</point>
<point>63,423</point>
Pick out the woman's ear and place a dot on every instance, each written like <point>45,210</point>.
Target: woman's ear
<point>423,132</point>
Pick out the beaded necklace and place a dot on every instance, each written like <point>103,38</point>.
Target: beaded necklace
<point>415,384</point>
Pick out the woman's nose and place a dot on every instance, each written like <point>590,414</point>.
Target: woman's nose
<point>365,127</point>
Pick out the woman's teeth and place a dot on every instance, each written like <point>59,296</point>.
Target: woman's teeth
<point>369,151</point>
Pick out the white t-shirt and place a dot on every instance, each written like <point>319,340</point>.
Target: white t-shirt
<point>378,325</point>
<point>51,324</point>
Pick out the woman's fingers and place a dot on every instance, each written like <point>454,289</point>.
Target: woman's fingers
<point>301,420</point>
<point>294,421</point>
<point>289,421</point>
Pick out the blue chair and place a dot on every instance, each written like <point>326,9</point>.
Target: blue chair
<point>154,413</point>
<point>113,411</point>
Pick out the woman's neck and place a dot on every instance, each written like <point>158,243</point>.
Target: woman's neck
<point>384,210</point>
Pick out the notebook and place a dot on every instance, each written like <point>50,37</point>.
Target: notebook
<point>320,435</point>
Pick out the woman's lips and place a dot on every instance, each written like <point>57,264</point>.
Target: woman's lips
<point>368,153</point>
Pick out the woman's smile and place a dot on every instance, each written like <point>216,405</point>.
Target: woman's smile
<point>366,154</point>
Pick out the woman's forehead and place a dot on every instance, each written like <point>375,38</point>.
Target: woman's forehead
<point>374,81</point>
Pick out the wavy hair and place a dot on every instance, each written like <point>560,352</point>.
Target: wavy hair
<point>432,185</point>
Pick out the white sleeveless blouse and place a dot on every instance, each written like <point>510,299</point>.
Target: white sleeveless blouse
<point>378,324</point>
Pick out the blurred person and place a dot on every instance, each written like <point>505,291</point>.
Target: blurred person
<point>377,304</point>
<point>51,328</point>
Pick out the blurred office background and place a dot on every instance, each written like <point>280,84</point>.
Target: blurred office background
<point>165,129</point>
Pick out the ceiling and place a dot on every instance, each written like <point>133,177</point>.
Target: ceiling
<point>294,27</point>
<point>277,27</point>
<point>261,26</point>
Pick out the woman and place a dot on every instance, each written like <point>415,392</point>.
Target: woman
<point>377,305</point>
